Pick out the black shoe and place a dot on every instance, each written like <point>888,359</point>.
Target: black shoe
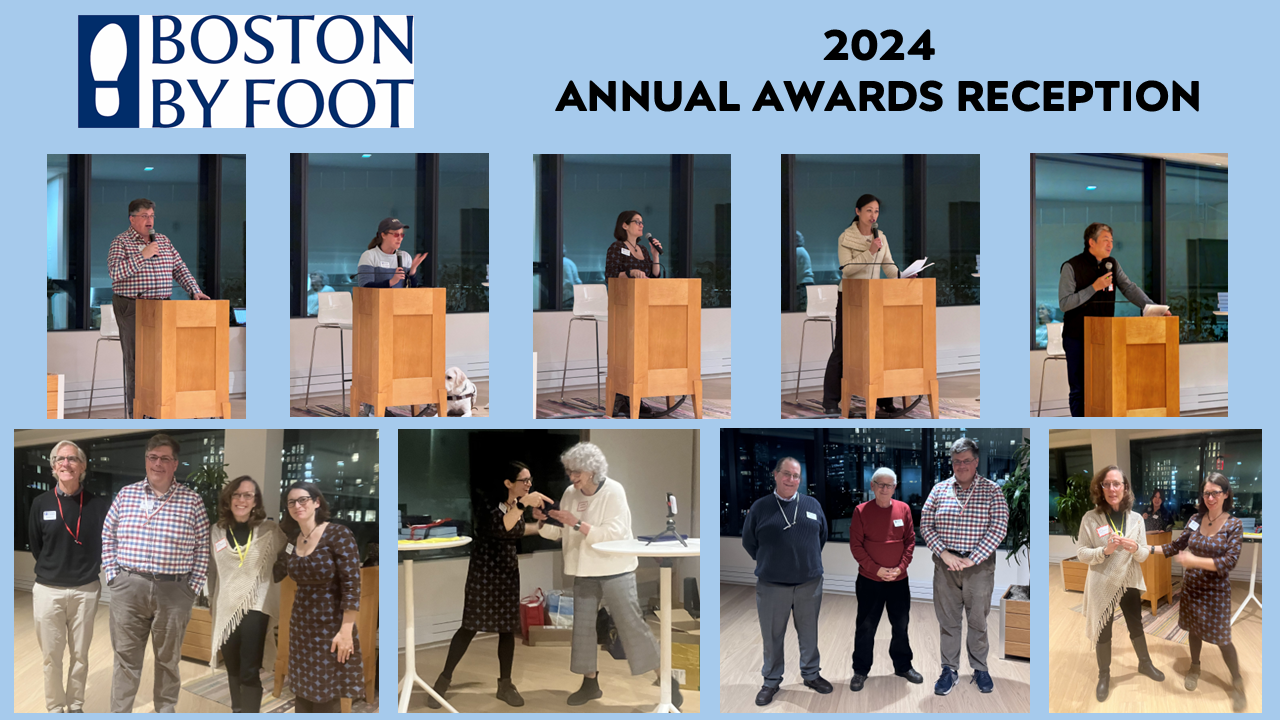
<point>508,694</point>
<point>856,682</point>
<point>441,687</point>
<point>1146,668</point>
<point>1238,700</point>
<point>820,685</point>
<point>831,409</point>
<point>1104,686</point>
<point>1193,677</point>
<point>886,405</point>
<point>765,696</point>
<point>676,698</point>
<point>233,684</point>
<point>590,690</point>
<point>911,675</point>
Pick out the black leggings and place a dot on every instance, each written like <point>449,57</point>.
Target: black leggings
<point>1229,655</point>
<point>242,653</point>
<point>1131,607</point>
<point>306,706</point>
<point>462,640</point>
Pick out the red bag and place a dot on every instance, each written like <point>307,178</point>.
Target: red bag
<point>533,611</point>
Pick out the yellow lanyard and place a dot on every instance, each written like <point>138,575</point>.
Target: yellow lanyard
<point>241,553</point>
<point>1117,530</point>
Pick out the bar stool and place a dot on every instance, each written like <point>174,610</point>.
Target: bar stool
<point>1055,353</point>
<point>334,314</point>
<point>590,304</point>
<point>110,332</point>
<point>821,308</point>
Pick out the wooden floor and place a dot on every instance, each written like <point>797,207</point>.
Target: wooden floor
<point>542,676</point>
<point>116,412</point>
<point>712,389</point>
<point>1073,666</point>
<point>479,409</point>
<point>28,673</point>
<point>961,391</point>
<point>741,657</point>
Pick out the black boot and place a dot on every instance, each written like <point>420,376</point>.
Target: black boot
<point>1144,659</point>
<point>251,698</point>
<point>885,405</point>
<point>1104,671</point>
<point>441,687</point>
<point>234,684</point>
<point>590,690</point>
<point>508,694</point>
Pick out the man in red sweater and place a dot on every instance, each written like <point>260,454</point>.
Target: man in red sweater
<point>882,539</point>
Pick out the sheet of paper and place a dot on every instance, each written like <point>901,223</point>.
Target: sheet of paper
<point>914,268</point>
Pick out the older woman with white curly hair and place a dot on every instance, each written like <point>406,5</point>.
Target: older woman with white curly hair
<point>594,510</point>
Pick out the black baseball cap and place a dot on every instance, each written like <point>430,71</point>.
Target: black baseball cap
<point>390,224</point>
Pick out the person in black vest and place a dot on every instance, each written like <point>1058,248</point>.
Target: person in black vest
<point>784,533</point>
<point>1087,289</point>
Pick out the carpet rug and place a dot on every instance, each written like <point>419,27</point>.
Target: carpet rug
<point>214,687</point>
<point>551,408</point>
<point>1164,624</point>
<point>812,408</point>
<point>321,410</point>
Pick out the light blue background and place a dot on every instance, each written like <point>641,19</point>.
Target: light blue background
<point>488,77</point>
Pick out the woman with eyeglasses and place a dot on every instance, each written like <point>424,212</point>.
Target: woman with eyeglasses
<point>594,510</point>
<point>243,592</point>
<point>1113,542</point>
<point>1208,550</point>
<point>324,651</point>
<point>628,256</point>
<point>493,573</point>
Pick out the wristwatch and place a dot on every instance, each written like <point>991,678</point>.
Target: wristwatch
<point>578,527</point>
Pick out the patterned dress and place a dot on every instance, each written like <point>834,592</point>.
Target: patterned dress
<point>615,262</point>
<point>328,583</point>
<point>1206,594</point>
<point>493,577</point>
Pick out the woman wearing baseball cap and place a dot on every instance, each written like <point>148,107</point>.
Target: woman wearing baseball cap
<point>384,264</point>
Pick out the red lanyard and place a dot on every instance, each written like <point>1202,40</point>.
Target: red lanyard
<point>76,535</point>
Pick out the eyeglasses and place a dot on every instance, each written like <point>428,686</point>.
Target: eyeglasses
<point>965,463</point>
<point>1112,486</point>
<point>299,502</point>
<point>637,222</point>
<point>1211,494</point>
<point>166,459</point>
<point>883,486</point>
<point>527,480</point>
<point>244,496</point>
<point>790,475</point>
<point>148,216</point>
<point>67,459</point>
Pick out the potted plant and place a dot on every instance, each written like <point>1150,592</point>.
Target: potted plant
<point>1072,506</point>
<point>1015,604</point>
<point>206,481</point>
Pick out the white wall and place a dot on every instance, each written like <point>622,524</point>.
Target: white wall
<point>958,330</point>
<point>70,353</point>
<point>1202,375</point>
<point>550,331</point>
<point>466,346</point>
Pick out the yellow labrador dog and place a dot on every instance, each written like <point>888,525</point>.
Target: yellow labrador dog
<point>462,392</point>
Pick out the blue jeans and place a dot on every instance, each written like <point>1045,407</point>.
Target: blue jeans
<point>1075,374</point>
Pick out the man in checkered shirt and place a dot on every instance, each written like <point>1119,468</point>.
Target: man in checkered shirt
<point>963,522</point>
<point>143,265</point>
<point>155,553</point>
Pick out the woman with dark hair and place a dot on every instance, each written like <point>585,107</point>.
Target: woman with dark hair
<point>384,264</point>
<point>626,257</point>
<point>1208,550</point>
<point>863,251</point>
<point>493,573</point>
<point>1113,542</point>
<point>1157,517</point>
<point>244,598</point>
<point>324,651</point>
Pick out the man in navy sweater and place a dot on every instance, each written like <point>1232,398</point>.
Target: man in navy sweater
<point>784,533</point>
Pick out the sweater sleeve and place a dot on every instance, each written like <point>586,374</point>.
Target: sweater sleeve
<point>1068,298</point>
<point>617,525</point>
<point>823,530</point>
<point>853,249</point>
<point>749,541</point>
<point>34,535</point>
<point>886,263</point>
<point>1086,549</point>
<point>856,546</point>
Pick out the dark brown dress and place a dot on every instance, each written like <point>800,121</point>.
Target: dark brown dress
<point>615,262</point>
<point>328,584</point>
<point>493,576</point>
<point>1206,594</point>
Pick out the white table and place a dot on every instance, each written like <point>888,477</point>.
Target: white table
<point>1253,577</point>
<point>665,551</point>
<point>410,646</point>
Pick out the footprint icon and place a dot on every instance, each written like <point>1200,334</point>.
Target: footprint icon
<point>106,60</point>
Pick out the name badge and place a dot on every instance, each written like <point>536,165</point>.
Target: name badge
<point>1104,531</point>
<point>146,506</point>
<point>582,506</point>
<point>626,252</point>
<point>1193,525</point>
<point>812,516</point>
<point>897,522</point>
<point>50,514</point>
<point>288,549</point>
<point>220,545</point>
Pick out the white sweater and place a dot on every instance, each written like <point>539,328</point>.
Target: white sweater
<point>610,519</point>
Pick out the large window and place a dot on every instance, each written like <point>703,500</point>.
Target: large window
<point>837,466</point>
<point>200,207</point>
<point>446,474</point>
<point>344,465</point>
<point>684,200</point>
<point>338,199</point>
<point>1063,463</point>
<point>1178,464</point>
<point>929,207</point>
<point>1170,234</point>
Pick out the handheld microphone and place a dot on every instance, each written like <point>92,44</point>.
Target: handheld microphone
<point>875,230</point>
<point>400,266</point>
<point>1107,265</point>
<point>151,236</point>
<point>656,249</point>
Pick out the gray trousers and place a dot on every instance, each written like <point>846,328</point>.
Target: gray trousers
<point>140,607</point>
<point>64,617</point>
<point>959,595</point>
<point>775,604</point>
<point>126,310</point>
<point>619,595</point>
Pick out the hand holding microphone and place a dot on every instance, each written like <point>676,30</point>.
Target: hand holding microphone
<point>876,241</point>
<point>151,248</point>
<point>653,243</point>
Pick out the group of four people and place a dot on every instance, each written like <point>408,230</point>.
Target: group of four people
<point>154,545</point>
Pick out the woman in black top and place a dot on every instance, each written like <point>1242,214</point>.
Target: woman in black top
<point>626,257</point>
<point>493,574</point>
<point>1157,516</point>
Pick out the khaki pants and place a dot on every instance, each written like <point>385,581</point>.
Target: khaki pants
<point>963,597</point>
<point>140,607</point>
<point>62,615</point>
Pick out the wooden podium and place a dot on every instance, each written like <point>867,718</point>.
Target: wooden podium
<point>655,341</point>
<point>1131,367</point>
<point>398,349</point>
<point>890,341</point>
<point>182,359</point>
<point>1157,572</point>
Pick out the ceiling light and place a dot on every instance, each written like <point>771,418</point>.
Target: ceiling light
<point>1090,187</point>
<point>147,169</point>
<point>366,155</point>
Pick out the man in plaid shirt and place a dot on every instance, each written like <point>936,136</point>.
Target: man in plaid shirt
<point>143,265</point>
<point>963,522</point>
<point>155,552</point>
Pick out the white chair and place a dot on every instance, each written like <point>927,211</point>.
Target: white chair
<point>1055,352</point>
<point>110,332</point>
<point>821,307</point>
<point>590,304</point>
<point>334,314</point>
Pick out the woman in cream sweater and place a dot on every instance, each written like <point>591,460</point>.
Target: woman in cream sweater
<point>1113,541</point>
<point>594,510</point>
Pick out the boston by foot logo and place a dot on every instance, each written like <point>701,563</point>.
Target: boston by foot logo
<point>245,71</point>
